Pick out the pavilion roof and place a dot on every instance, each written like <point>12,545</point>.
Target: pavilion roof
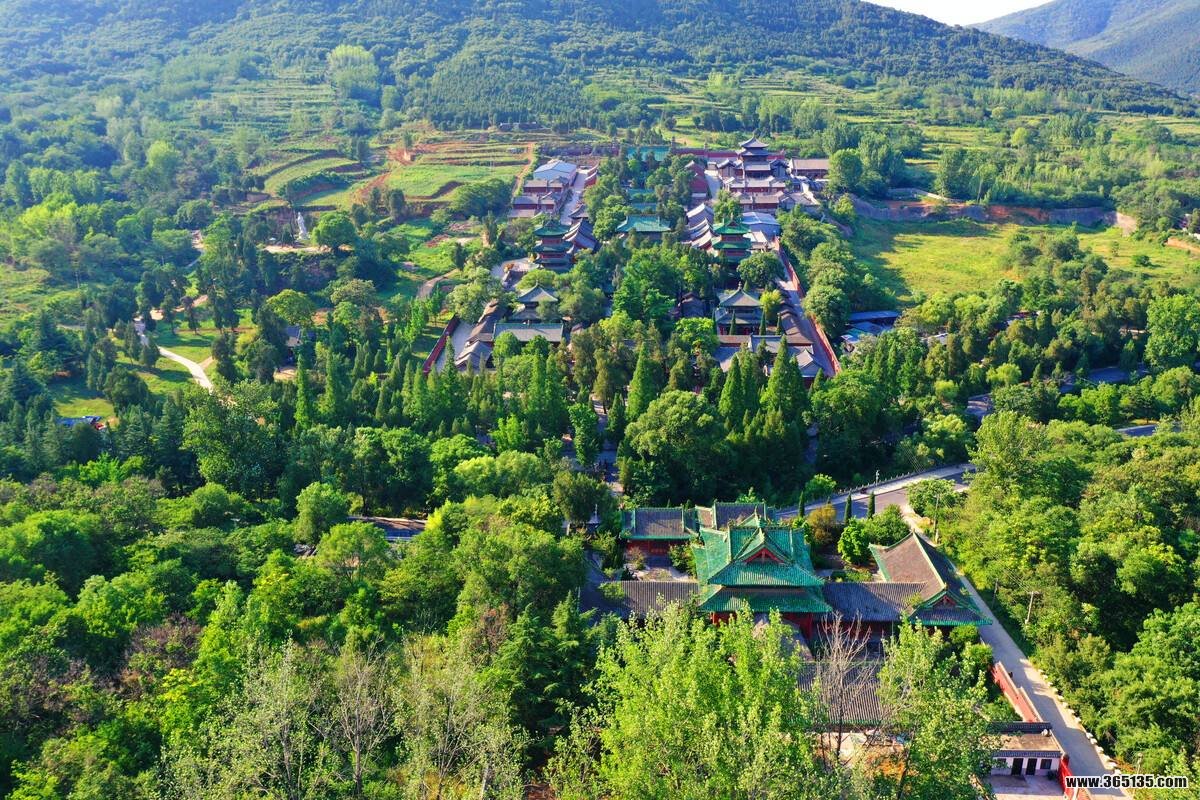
<point>552,332</point>
<point>550,229</point>
<point>915,560</point>
<point>715,598</point>
<point>536,294</point>
<point>739,298</point>
<point>643,224</point>
<point>754,553</point>
<point>659,523</point>
<point>731,229</point>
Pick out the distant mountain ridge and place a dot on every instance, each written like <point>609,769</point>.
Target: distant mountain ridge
<point>1155,40</point>
<point>474,62</point>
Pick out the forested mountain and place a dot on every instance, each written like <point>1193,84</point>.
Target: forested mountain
<point>447,58</point>
<point>1150,39</point>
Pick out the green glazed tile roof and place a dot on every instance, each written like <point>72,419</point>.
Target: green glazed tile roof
<point>795,601</point>
<point>731,229</point>
<point>551,229</point>
<point>728,558</point>
<point>643,225</point>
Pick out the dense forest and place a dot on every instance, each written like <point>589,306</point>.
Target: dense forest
<point>168,630</point>
<point>194,599</point>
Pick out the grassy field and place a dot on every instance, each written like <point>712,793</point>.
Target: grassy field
<point>72,398</point>
<point>424,180</point>
<point>197,346</point>
<point>430,256</point>
<point>961,255</point>
<point>164,377</point>
<point>22,291</point>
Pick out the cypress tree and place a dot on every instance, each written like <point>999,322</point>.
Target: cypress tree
<point>335,402</point>
<point>361,364</point>
<point>870,505</point>
<point>751,379</point>
<point>681,374</point>
<point>785,392</point>
<point>732,395</point>
<point>617,420</point>
<point>643,387</point>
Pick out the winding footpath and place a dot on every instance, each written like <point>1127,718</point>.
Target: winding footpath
<point>198,374</point>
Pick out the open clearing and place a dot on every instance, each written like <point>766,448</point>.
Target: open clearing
<point>915,258</point>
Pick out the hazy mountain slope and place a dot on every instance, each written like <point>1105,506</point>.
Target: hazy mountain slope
<point>1156,40</point>
<point>450,57</point>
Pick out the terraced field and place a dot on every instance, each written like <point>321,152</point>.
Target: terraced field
<point>288,105</point>
<point>436,169</point>
<point>308,165</point>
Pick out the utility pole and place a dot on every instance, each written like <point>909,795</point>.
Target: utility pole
<point>1029,613</point>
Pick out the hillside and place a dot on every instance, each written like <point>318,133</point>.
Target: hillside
<point>1154,40</point>
<point>466,62</point>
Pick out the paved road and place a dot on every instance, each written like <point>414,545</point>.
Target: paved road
<point>198,373</point>
<point>981,405</point>
<point>574,201</point>
<point>425,290</point>
<point>887,493</point>
<point>1085,757</point>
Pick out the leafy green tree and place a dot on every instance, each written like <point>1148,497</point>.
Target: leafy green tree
<point>335,230</point>
<point>355,551</point>
<point>819,488</point>
<point>829,306</point>
<point>235,436</point>
<point>319,507</point>
<point>1174,325</point>
<point>676,450</point>
<point>1155,706</point>
<point>515,566</point>
<point>759,270</point>
<point>845,171</point>
<point>927,497</point>
<point>945,750</point>
<point>585,431</point>
<point>293,308</point>
<point>66,544</point>
<point>656,680</point>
